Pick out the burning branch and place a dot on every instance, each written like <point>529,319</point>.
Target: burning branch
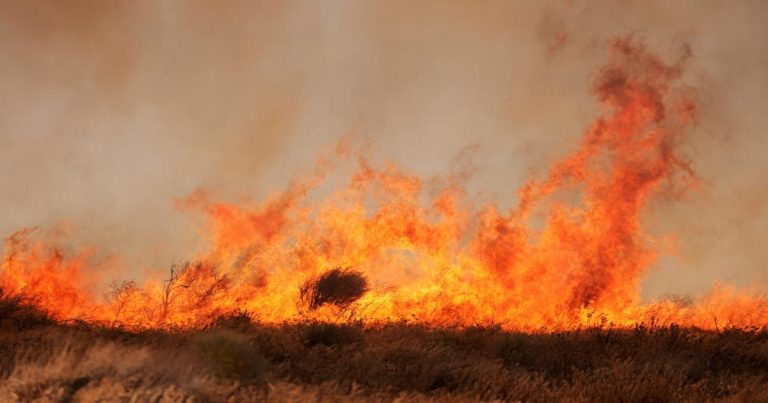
<point>198,284</point>
<point>119,295</point>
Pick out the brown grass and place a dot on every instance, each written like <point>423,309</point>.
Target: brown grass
<point>245,361</point>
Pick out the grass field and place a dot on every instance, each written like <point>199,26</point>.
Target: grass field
<point>236,359</point>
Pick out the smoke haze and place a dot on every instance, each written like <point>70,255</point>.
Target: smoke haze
<point>110,111</point>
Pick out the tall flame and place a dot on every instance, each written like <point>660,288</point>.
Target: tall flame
<point>573,248</point>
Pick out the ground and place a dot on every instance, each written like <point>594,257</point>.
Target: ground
<point>237,359</point>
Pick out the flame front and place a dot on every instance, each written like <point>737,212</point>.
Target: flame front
<point>573,248</point>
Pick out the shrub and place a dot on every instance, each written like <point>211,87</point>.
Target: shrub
<point>229,355</point>
<point>338,286</point>
<point>238,320</point>
<point>18,312</point>
<point>330,334</point>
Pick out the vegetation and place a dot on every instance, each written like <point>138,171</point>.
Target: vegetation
<point>229,355</point>
<point>237,359</point>
<point>17,312</point>
<point>330,334</point>
<point>340,287</point>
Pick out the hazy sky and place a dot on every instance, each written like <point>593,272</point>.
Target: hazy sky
<point>110,110</point>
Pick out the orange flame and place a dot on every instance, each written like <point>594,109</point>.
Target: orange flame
<point>439,261</point>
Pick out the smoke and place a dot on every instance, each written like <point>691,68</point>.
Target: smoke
<point>110,111</point>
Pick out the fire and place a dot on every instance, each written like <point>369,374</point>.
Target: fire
<point>572,252</point>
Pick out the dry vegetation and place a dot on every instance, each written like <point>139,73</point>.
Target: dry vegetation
<point>339,286</point>
<point>236,359</point>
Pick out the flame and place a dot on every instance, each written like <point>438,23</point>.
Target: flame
<point>572,251</point>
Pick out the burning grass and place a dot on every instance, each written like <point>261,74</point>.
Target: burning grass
<point>446,262</point>
<point>574,245</point>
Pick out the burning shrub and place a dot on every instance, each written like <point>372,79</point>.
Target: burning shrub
<point>338,286</point>
<point>229,355</point>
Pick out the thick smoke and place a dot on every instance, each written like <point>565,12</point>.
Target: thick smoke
<point>110,111</point>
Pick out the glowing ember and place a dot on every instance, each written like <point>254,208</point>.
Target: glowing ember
<point>439,262</point>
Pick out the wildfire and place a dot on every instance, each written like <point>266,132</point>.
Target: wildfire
<point>441,261</point>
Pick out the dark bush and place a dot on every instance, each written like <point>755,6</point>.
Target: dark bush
<point>330,334</point>
<point>18,312</point>
<point>338,286</point>
<point>236,320</point>
<point>229,355</point>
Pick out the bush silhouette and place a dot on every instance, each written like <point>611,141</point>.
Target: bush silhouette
<point>238,320</point>
<point>18,312</point>
<point>229,355</point>
<point>330,334</point>
<point>338,286</point>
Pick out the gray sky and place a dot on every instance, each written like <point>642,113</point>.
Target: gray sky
<point>110,110</point>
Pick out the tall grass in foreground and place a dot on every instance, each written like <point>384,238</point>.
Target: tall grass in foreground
<point>235,358</point>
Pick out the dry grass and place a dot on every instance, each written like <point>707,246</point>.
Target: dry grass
<point>238,360</point>
<point>229,355</point>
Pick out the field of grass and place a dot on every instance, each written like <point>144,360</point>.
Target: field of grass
<point>235,359</point>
